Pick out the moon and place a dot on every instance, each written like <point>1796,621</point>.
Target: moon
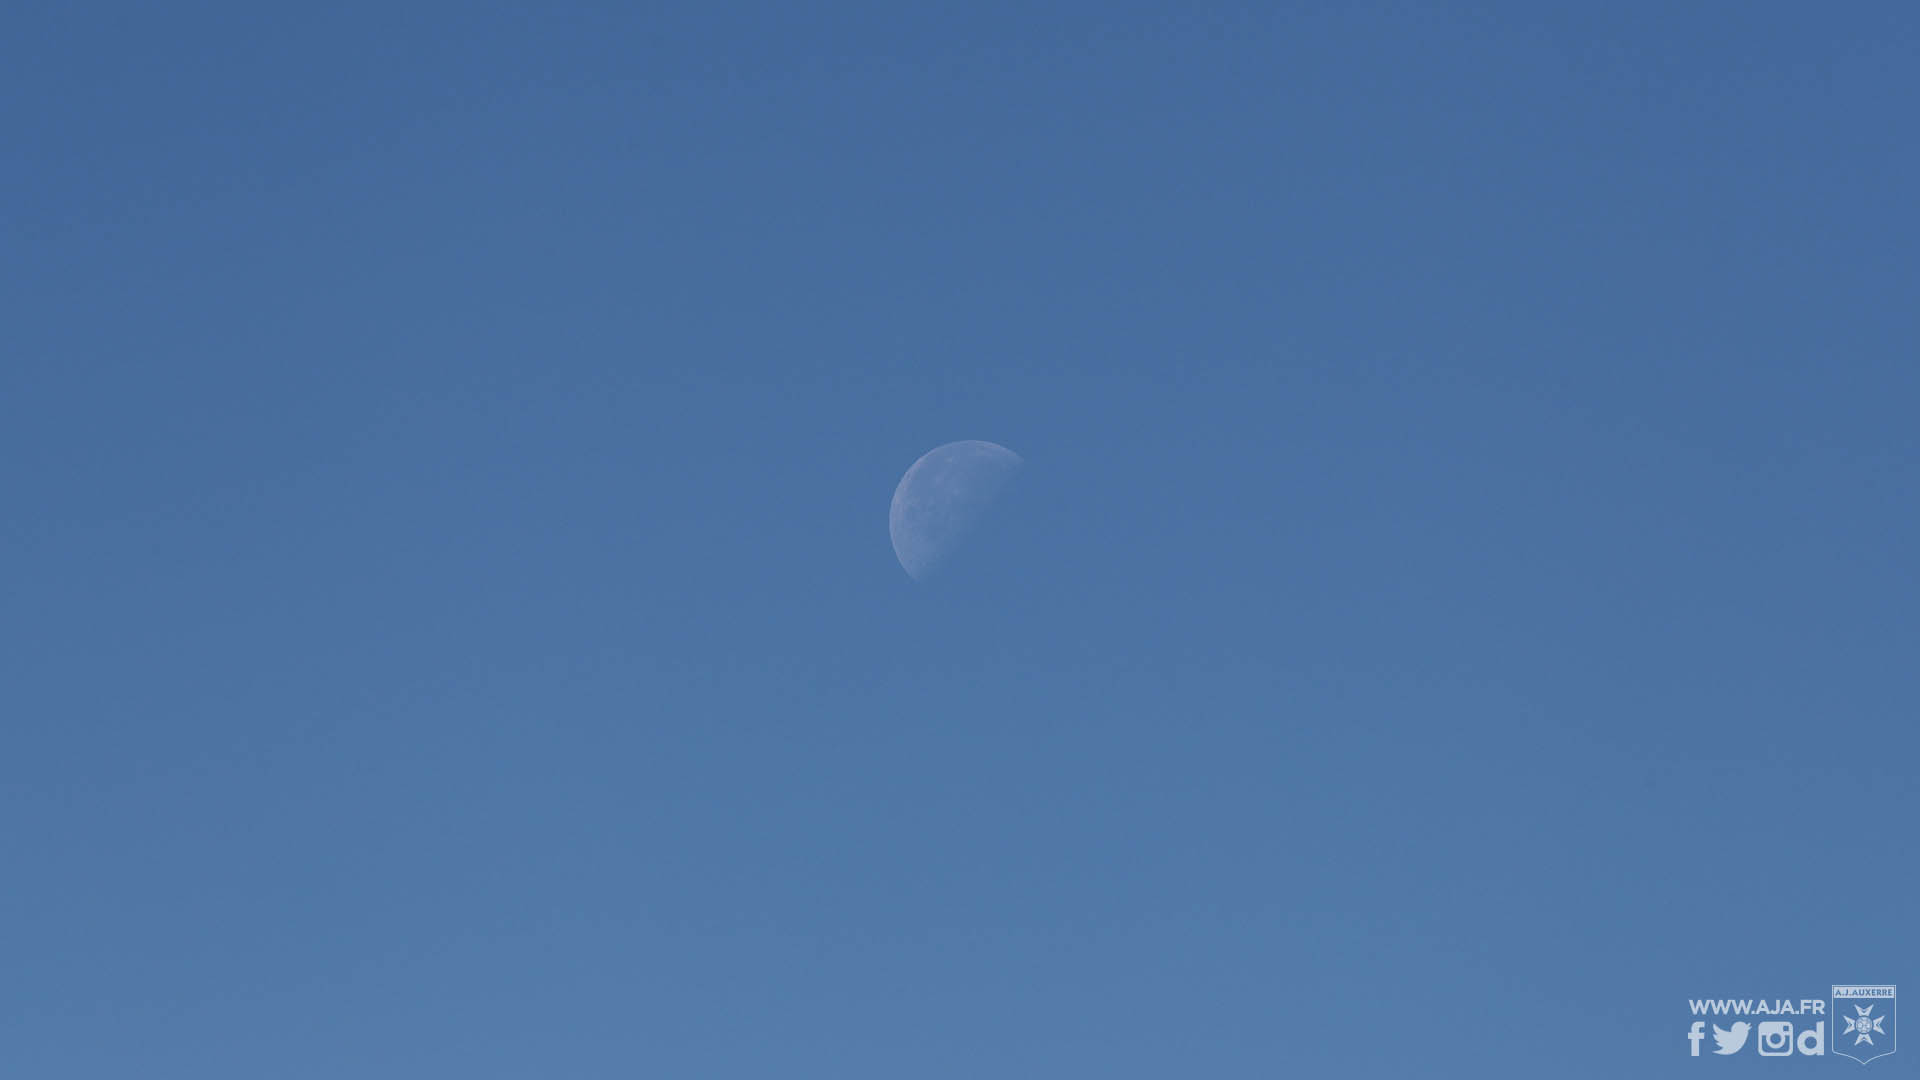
<point>942,498</point>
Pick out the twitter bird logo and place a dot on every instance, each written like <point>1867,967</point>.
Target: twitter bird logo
<point>1730,1042</point>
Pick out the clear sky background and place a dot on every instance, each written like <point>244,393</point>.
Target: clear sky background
<point>1459,605</point>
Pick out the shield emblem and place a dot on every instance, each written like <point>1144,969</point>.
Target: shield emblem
<point>1863,1022</point>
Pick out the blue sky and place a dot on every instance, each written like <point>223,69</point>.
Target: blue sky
<point>1458,606</point>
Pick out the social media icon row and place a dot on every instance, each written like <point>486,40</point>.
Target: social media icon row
<point>1774,1038</point>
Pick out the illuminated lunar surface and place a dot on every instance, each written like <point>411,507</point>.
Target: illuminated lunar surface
<point>942,500</point>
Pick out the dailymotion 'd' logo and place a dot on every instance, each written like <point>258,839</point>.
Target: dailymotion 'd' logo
<point>1863,1019</point>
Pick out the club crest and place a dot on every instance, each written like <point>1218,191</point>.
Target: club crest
<point>1864,1022</point>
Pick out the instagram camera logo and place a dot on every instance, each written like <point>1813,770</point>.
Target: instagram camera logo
<point>1776,1038</point>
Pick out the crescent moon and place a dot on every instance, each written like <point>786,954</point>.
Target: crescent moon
<point>942,498</point>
